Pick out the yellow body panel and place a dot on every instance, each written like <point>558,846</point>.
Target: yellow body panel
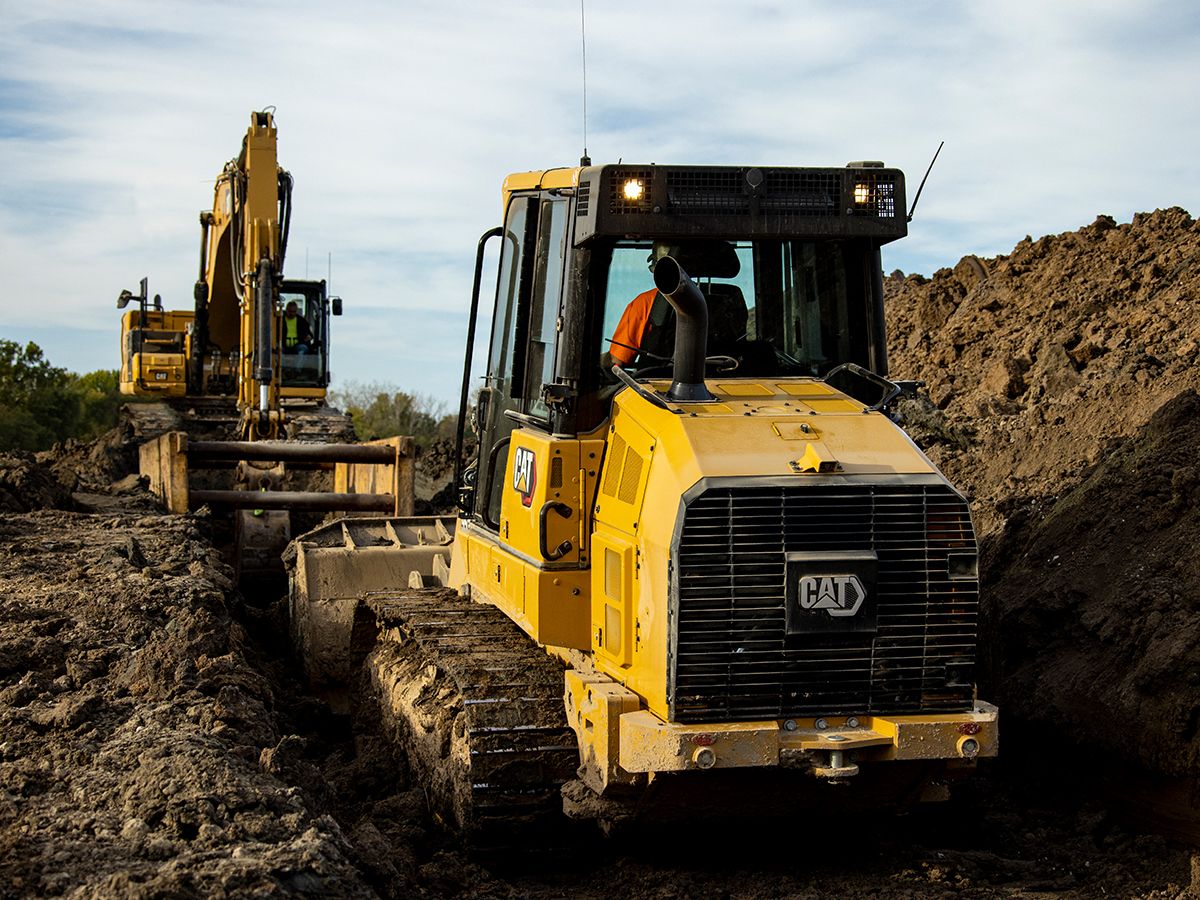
<point>648,744</point>
<point>654,456</point>
<point>548,598</point>
<point>154,353</point>
<point>549,605</point>
<point>543,179</point>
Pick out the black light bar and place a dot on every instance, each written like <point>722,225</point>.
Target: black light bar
<point>861,200</point>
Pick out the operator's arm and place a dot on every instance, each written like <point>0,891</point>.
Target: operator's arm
<point>627,338</point>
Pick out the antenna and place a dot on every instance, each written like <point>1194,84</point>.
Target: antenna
<point>584,160</point>
<point>913,209</point>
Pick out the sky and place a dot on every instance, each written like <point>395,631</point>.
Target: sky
<point>399,120</point>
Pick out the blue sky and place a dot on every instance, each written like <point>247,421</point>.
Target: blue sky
<point>399,121</point>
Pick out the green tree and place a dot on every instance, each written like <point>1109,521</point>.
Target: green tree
<point>41,404</point>
<point>37,405</point>
<point>100,402</point>
<point>382,410</point>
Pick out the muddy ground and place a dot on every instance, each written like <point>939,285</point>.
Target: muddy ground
<point>155,742</point>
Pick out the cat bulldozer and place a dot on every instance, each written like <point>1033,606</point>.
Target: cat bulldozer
<point>244,369</point>
<point>694,552</point>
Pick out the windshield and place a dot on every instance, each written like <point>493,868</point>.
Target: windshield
<point>776,308</point>
<point>303,362</point>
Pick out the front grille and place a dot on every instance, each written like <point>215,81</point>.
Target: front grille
<point>733,660</point>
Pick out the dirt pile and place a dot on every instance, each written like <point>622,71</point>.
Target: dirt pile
<point>1038,362</point>
<point>435,476</point>
<point>88,476</point>
<point>1061,398</point>
<point>1095,600</point>
<point>137,744</point>
<point>26,485</point>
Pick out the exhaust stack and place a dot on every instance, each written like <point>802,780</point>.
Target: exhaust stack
<point>691,331</point>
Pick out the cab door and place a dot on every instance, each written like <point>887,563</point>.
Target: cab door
<point>524,340</point>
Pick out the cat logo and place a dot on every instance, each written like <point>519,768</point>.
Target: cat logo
<point>524,474</point>
<point>839,595</point>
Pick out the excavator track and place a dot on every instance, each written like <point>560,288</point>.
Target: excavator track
<point>216,419</point>
<point>477,708</point>
<point>318,424</point>
<point>203,419</point>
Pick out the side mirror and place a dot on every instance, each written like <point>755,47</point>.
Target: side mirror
<point>335,304</point>
<point>123,300</point>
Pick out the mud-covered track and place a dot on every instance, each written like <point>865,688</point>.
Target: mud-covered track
<point>478,709</point>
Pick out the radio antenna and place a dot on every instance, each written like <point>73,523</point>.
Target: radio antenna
<point>913,209</point>
<point>584,160</point>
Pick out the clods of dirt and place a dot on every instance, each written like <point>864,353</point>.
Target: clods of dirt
<point>1039,361</point>
<point>1061,399</point>
<point>133,729</point>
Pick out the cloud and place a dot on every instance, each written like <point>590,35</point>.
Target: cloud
<point>399,121</point>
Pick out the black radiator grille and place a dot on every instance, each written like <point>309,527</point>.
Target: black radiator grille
<point>734,661</point>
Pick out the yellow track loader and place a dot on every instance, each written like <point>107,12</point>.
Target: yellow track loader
<point>693,548</point>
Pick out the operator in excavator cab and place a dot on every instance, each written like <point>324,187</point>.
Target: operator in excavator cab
<point>296,334</point>
<point>646,331</point>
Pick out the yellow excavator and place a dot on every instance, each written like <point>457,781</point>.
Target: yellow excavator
<point>250,363</point>
<point>254,340</point>
<point>694,552</point>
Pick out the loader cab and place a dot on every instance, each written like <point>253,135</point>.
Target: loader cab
<point>788,261</point>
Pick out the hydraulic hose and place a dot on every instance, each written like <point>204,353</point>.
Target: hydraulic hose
<point>264,316</point>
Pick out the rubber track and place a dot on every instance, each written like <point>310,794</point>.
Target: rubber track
<point>478,707</point>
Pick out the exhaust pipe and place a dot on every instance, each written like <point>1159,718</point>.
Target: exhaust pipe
<point>691,331</point>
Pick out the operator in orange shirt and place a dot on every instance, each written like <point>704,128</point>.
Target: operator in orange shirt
<point>642,317</point>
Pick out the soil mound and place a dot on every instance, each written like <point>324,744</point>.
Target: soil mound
<point>1062,399</point>
<point>89,476</point>
<point>1038,362</point>
<point>1094,601</point>
<point>26,485</point>
<point>136,742</point>
<point>435,476</point>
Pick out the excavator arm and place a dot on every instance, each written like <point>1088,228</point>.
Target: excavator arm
<point>242,249</point>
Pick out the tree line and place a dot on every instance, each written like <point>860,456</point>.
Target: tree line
<point>382,410</point>
<point>42,404</point>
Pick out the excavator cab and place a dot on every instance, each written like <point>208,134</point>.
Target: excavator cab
<point>305,359</point>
